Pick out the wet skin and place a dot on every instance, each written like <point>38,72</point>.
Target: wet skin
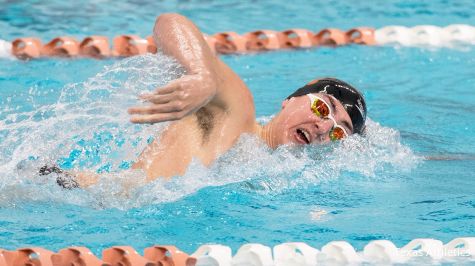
<point>211,107</point>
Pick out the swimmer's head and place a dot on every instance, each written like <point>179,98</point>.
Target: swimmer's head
<point>323,110</point>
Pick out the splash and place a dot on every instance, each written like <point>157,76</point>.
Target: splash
<point>292,167</point>
<point>88,128</point>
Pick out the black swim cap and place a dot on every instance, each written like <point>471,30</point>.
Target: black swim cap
<point>351,99</point>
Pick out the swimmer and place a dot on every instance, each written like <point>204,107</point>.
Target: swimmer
<point>210,107</point>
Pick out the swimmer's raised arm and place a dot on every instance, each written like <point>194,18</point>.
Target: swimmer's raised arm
<point>178,37</point>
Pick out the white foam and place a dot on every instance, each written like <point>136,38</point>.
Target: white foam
<point>84,112</point>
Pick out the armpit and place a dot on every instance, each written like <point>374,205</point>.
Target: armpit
<point>205,119</point>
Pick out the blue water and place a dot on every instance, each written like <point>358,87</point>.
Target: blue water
<point>411,177</point>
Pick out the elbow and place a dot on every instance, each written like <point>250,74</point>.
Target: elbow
<point>167,18</point>
<point>167,21</point>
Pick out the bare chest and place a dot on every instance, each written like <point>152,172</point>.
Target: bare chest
<point>203,136</point>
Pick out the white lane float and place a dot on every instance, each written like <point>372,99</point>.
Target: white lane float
<point>339,253</point>
<point>295,254</point>
<point>253,255</point>
<point>423,247</point>
<point>464,247</point>
<point>376,252</point>
<point>5,49</point>
<point>213,255</point>
<point>393,35</point>
<point>426,35</point>
<point>382,252</point>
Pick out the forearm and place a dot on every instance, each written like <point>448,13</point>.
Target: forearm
<point>207,83</point>
<point>178,37</point>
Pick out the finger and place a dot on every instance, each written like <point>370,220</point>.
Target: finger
<point>159,99</point>
<point>144,96</point>
<point>169,88</point>
<point>156,108</point>
<point>156,118</point>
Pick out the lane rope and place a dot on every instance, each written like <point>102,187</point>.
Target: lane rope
<point>252,42</point>
<point>376,252</point>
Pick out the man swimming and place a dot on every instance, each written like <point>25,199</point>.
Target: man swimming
<point>211,107</point>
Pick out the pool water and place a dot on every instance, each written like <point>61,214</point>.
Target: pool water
<point>410,177</point>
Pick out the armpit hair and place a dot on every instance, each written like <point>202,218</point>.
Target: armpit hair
<point>205,121</point>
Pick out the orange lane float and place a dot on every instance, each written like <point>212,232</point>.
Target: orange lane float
<point>361,35</point>
<point>61,47</point>
<point>26,48</point>
<point>151,46</point>
<point>77,256</point>
<point>28,256</point>
<point>81,256</point>
<point>3,261</point>
<point>263,40</point>
<point>129,45</point>
<point>229,43</point>
<point>95,46</point>
<point>168,256</point>
<point>125,255</point>
<point>211,41</point>
<point>296,38</point>
<point>220,43</point>
<point>331,37</point>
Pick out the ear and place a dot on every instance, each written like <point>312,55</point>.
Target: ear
<point>284,103</point>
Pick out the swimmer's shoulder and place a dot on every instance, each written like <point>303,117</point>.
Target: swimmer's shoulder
<point>236,96</point>
<point>235,106</point>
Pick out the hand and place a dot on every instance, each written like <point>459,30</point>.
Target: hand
<point>176,100</point>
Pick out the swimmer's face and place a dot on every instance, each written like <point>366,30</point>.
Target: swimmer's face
<point>298,124</point>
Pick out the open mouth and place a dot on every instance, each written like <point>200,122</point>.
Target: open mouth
<point>303,135</point>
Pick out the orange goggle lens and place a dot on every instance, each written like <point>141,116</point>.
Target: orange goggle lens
<point>320,108</point>
<point>337,133</point>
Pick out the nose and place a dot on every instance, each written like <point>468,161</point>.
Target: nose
<point>323,125</point>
